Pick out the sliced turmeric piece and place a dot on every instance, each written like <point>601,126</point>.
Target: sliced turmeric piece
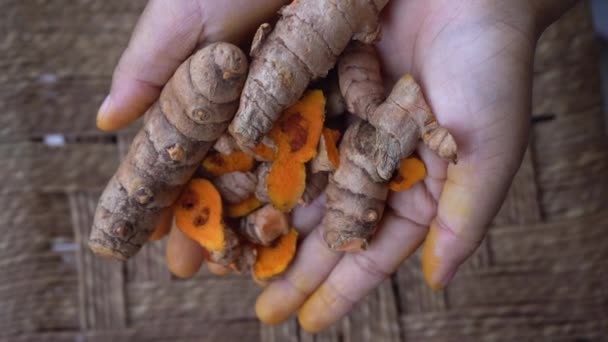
<point>296,135</point>
<point>298,131</point>
<point>217,164</point>
<point>274,260</point>
<point>198,213</point>
<point>286,183</point>
<point>328,156</point>
<point>243,208</point>
<point>266,150</point>
<point>411,171</point>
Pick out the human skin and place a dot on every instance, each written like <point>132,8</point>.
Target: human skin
<point>473,60</point>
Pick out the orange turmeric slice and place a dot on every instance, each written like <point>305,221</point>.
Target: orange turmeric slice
<point>411,171</point>
<point>198,213</point>
<point>217,164</point>
<point>244,208</point>
<point>274,260</point>
<point>298,130</point>
<point>286,183</point>
<point>263,151</point>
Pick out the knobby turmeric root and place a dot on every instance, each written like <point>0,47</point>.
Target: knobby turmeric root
<point>236,187</point>
<point>226,145</point>
<point>261,188</point>
<point>198,213</point>
<point>410,172</point>
<point>193,110</point>
<point>274,259</point>
<point>264,225</point>
<point>303,46</point>
<point>315,185</point>
<point>371,151</point>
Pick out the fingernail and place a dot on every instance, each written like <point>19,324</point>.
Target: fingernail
<point>311,315</point>
<point>275,304</point>
<point>102,114</point>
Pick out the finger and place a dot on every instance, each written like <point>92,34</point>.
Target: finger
<point>312,264</point>
<point>217,269</point>
<point>358,273</point>
<point>305,219</point>
<point>467,204</point>
<point>162,225</point>
<point>166,34</point>
<point>184,255</point>
<point>236,21</point>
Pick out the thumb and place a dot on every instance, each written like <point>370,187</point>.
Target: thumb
<point>166,34</point>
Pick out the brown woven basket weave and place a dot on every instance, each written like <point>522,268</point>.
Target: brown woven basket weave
<point>541,274</point>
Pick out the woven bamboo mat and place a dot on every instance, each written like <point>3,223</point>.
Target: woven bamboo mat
<point>541,274</point>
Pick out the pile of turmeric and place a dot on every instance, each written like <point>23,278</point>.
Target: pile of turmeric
<point>227,152</point>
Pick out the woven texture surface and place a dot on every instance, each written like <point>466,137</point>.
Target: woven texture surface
<point>541,274</point>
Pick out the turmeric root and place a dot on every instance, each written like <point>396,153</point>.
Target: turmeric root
<point>194,108</point>
<point>315,185</point>
<point>226,145</point>
<point>235,187</point>
<point>328,156</point>
<point>410,172</point>
<point>198,213</point>
<point>261,188</point>
<point>303,46</point>
<point>239,257</point>
<point>371,152</point>
<point>244,208</point>
<point>356,193</point>
<point>273,260</point>
<point>217,164</point>
<point>264,225</point>
<point>360,79</point>
<point>230,250</point>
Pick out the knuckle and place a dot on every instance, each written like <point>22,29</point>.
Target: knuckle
<point>370,266</point>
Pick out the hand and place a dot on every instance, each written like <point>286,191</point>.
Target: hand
<point>474,62</point>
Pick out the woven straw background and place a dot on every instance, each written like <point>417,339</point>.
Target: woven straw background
<point>541,274</point>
